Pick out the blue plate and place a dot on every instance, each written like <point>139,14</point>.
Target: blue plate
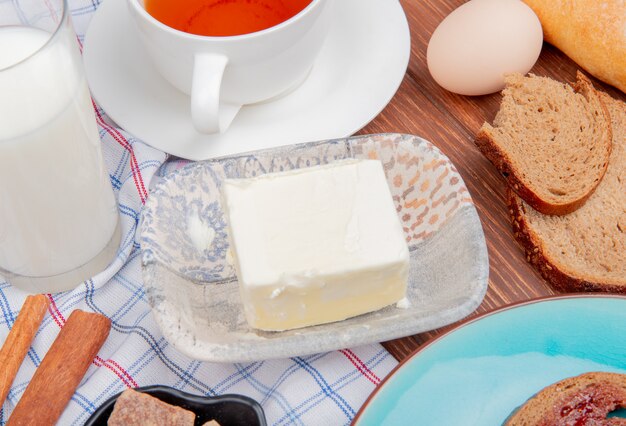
<point>482,370</point>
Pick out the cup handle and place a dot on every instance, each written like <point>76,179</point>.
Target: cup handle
<point>208,69</point>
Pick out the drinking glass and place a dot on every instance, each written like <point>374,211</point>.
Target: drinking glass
<point>59,222</point>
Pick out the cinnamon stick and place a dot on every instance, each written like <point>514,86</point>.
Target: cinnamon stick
<point>61,370</point>
<point>18,341</point>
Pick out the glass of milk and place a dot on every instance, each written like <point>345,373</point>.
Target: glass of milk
<point>58,215</point>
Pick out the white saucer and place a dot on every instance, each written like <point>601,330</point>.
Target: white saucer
<point>358,71</point>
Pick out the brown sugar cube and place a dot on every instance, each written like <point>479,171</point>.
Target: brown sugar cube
<point>136,408</point>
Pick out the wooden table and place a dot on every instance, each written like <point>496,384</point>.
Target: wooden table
<point>450,121</point>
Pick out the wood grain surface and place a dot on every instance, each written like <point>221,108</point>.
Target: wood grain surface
<point>450,122</point>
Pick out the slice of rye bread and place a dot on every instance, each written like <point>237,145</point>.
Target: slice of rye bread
<point>581,400</point>
<point>550,141</point>
<point>584,250</point>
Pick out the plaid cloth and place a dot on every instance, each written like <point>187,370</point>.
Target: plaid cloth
<point>321,389</point>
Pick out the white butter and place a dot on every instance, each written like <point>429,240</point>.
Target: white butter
<point>316,245</point>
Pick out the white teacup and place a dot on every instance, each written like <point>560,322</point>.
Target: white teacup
<point>236,70</point>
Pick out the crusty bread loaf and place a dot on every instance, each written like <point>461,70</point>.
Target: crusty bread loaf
<point>591,32</point>
<point>583,400</point>
<point>550,141</point>
<point>584,250</point>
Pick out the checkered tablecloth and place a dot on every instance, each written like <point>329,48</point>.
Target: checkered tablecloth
<point>322,389</point>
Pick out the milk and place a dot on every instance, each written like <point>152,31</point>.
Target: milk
<point>57,209</point>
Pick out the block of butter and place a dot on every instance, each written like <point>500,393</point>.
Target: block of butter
<point>315,245</point>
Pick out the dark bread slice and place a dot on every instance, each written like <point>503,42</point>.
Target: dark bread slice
<point>583,400</point>
<point>584,250</point>
<point>550,141</point>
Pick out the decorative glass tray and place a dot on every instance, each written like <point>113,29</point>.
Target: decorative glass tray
<point>190,279</point>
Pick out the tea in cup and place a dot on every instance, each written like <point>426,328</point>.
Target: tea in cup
<point>224,18</point>
<point>233,52</point>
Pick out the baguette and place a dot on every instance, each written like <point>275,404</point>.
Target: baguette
<point>591,32</point>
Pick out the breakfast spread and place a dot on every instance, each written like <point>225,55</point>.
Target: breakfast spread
<point>550,141</point>
<point>586,249</point>
<point>590,32</point>
<point>312,245</point>
<point>61,370</point>
<point>316,245</point>
<point>18,341</point>
<point>477,44</point>
<point>583,400</point>
<point>137,408</point>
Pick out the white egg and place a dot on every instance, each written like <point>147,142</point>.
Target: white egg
<point>478,43</point>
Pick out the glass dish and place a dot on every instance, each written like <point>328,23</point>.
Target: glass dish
<point>190,279</point>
